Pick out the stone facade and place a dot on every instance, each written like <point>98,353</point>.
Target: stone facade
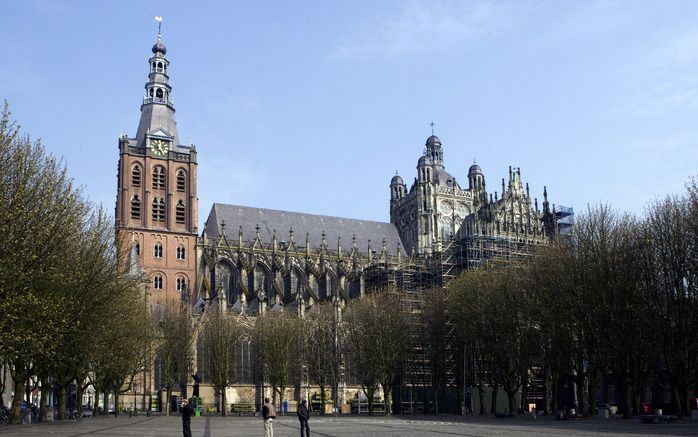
<point>436,212</point>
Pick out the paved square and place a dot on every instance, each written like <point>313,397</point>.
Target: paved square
<point>353,426</point>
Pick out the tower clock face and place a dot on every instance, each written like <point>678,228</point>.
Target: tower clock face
<point>159,147</point>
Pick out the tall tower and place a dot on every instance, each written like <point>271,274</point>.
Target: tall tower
<point>156,201</point>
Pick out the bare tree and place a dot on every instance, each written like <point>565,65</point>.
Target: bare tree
<point>436,327</point>
<point>468,301</point>
<point>221,333</point>
<point>174,345</point>
<point>278,346</point>
<point>671,275</point>
<point>378,338</point>
<point>551,284</point>
<point>320,338</point>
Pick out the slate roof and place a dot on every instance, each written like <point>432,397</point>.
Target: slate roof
<point>269,220</point>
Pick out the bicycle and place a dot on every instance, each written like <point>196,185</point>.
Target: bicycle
<point>5,415</point>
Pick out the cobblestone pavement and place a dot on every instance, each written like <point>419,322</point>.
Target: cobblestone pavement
<point>400,426</point>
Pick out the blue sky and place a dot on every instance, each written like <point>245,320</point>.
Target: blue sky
<point>312,106</point>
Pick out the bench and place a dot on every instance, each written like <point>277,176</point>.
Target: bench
<point>242,408</point>
<point>657,418</point>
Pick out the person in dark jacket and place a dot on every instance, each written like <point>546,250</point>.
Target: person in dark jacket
<point>304,416</point>
<point>187,412</point>
<point>268,414</point>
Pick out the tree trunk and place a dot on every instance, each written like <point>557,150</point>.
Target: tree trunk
<point>20,376</point>
<point>554,392</point>
<point>435,393</point>
<point>62,402</point>
<point>547,386</point>
<point>105,408</point>
<point>512,401</point>
<point>580,381</point>
<point>370,392</point>
<point>493,404</point>
<point>523,404</point>
<point>388,398</point>
<point>626,398</point>
<point>481,395</point>
<point>43,401</point>
<point>594,378</point>
<point>224,402</point>
<point>95,406</point>
<point>168,395</point>
<point>78,397</point>
<point>281,400</point>
<point>3,381</point>
<point>636,399</point>
<point>116,402</point>
<point>685,408</point>
<point>677,401</point>
<point>323,399</point>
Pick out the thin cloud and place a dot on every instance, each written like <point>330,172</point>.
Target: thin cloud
<point>662,78</point>
<point>428,26</point>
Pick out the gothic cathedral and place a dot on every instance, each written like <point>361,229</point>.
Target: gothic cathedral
<point>249,260</point>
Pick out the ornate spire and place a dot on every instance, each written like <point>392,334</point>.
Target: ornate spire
<point>433,149</point>
<point>157,110</point>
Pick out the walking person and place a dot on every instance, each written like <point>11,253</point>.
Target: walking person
<point>304,416</point>
<point>187,412</point>
<point>268,414</point>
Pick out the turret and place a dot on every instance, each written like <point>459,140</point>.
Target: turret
<point>476,179</point>
<point>435,151</point>
<point>397,188</point>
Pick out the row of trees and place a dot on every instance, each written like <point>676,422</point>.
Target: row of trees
<point>614,301</point>
<point>66,302</point>
<point>372,332</point>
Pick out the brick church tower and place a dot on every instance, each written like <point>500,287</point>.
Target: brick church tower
<point>156,202</point>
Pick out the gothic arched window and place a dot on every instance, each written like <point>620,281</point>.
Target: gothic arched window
<point>135,207</point>
<point>157,282</point>
<point>159,178</point>
<point>181,180</point>
<point>155,209</point>
<point>161,210</point>
<point>181,283</point>
<point>157,250</point>
<point>158,209</point>
<point>136,176</point>
<point>180,212</point>
<point>181,253</point>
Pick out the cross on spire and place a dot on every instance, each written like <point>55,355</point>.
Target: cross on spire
<point>432,127</point>
<point>159,20</point>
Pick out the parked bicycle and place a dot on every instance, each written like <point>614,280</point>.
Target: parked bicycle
<point>5,415</point>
